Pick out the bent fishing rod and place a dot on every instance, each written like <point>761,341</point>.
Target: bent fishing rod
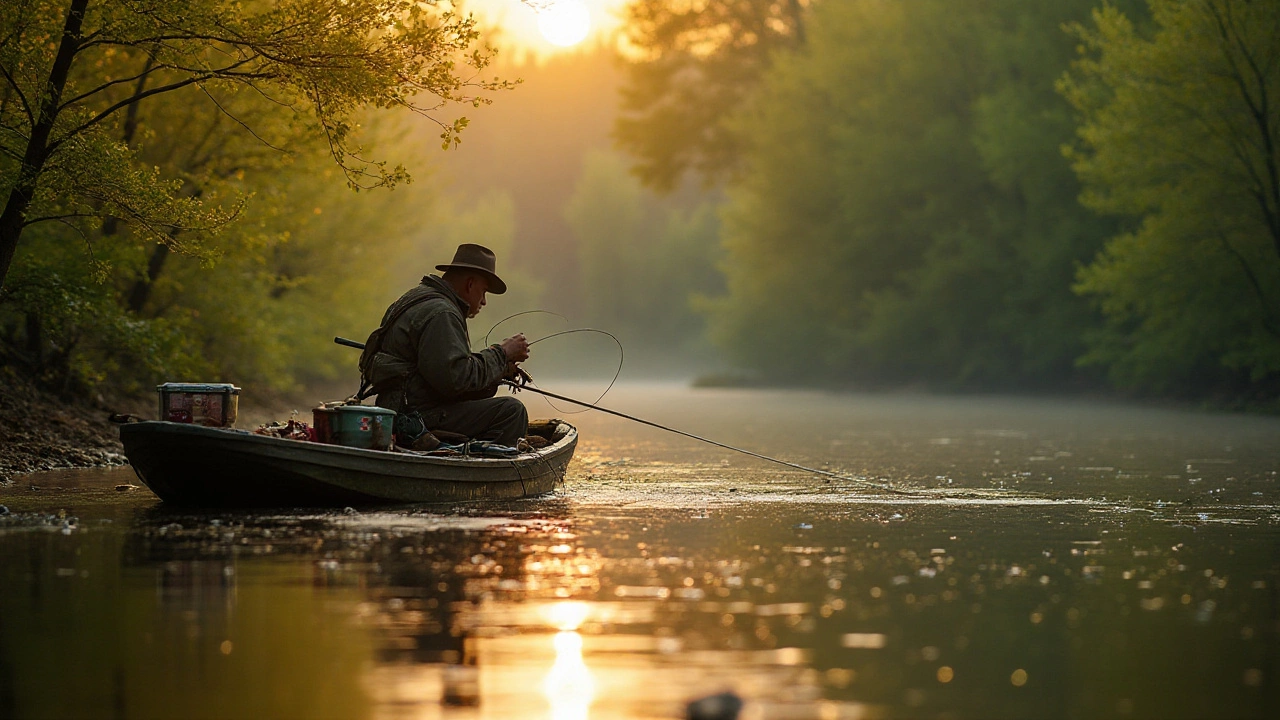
<point>518,386</point>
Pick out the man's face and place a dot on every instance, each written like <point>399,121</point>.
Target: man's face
<point>474,294</point>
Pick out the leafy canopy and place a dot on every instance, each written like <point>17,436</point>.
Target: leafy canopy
<point>75,70</point>
<point>1180,132</point>
<point>694,63</point>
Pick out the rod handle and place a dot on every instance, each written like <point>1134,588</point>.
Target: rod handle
<point>349,343</point>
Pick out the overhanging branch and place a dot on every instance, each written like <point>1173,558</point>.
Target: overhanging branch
<point>26,107</point>
<point>178,85</point>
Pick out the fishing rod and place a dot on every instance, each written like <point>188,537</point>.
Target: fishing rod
<point>516,387</point>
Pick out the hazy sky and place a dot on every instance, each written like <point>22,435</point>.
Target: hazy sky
<point>519,22</point>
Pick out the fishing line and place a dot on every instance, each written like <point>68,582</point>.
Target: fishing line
<point>526,312</point>
<point>592,406</point>
<point>622,357</point>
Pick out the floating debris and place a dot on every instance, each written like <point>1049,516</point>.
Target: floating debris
<point>722,706</point>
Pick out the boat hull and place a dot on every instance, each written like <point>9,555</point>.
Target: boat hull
<point>200,466</point>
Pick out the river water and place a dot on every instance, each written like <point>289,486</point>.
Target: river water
<point>1056,558</point>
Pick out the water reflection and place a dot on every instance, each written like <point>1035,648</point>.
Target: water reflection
<point>568,685</point>
<point>652,584</point>
<point>529,613</point>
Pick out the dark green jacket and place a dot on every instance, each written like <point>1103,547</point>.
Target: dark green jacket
<point>426,360</point>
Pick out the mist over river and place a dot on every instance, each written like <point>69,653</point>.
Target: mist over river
<point>1055,558</point>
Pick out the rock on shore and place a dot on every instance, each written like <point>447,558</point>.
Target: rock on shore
<point>38,431</point>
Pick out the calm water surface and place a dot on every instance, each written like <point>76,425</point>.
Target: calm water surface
<point>1061,559</point>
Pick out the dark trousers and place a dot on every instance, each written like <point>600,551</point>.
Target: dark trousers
<point>503,420</point>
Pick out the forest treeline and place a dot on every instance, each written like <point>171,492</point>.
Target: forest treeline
<point>178,181</point>
<point>995,194</point>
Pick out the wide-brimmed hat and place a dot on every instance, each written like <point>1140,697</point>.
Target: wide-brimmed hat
<point>470,256</point>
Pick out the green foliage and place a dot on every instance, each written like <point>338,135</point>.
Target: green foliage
<point>204,230</point>
<point>76,70</point>
<point>641,262</point>
<point>307,260</point>
<point>310,260</point>
<point>1181,131</point>
<point>903,213</point>
<point>694,64</point>
<point>67,329</point>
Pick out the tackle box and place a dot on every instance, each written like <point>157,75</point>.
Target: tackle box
<point>357,426</point>
<point>209,404</point>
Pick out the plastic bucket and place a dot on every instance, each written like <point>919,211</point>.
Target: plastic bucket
<point>357,426</point>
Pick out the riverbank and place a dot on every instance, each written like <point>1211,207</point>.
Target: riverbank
<point>39,431</point>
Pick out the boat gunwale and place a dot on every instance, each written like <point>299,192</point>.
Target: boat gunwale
<point>239,436</point>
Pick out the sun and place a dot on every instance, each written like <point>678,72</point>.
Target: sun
<point>565,23</point>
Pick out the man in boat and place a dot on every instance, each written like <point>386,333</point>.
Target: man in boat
<point>420,363</point>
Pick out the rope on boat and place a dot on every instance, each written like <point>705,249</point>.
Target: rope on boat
<point>860,481</point>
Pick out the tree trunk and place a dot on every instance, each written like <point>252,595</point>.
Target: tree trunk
<point>14,216</point>
<point>111,225</point>
<point>141,290</point>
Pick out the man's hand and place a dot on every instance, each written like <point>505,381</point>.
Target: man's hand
<point>516,348</point>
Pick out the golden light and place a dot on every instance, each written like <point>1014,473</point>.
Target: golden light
<point>568,686</point>
<point>568,615</point>
<point>565,22</point>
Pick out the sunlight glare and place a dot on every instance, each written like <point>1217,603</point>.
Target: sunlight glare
<point>569,686</point>
<point>567,615</point>
<point>565,22</point>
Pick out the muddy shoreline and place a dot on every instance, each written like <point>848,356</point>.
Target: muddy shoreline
<point>38,431</point>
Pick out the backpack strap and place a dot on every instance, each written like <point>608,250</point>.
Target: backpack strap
<point>374,344</point>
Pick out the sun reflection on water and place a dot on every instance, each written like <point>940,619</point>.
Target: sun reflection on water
<point>565,616</point>
<point>568,686</point>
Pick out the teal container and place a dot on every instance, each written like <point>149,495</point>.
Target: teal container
<point>362,426</point>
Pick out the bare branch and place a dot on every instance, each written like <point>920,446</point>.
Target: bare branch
<point>63,217</point>
<point>15,130</point>
<point>113,83</point>
<point>158,39</point>
<point>1268,191</point>
<point>153,91</point>
<point>26,107</point>
<point>238,121</point>
<point>265,96</point>
<point>65,221</point>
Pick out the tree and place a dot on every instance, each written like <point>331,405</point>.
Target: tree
<point>63,156</point>
<point>694,62</point>
<point>642,260</point>
<point>903,213</point>
<point>1180,134</point>
<point>260,301</point>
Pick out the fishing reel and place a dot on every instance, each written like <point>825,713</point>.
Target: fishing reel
<point>518,379</point>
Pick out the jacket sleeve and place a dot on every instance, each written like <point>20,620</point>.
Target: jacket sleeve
<point>446,362</point>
